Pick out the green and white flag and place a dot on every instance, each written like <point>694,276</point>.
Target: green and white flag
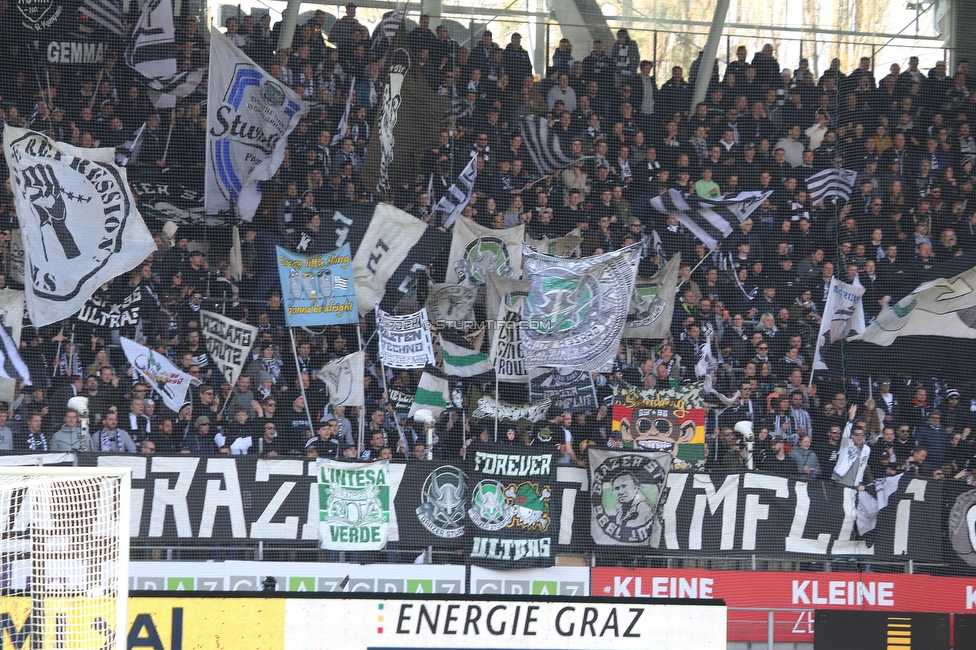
<point>463,362</point>
<point>433,393</point>
<point>355,502</point>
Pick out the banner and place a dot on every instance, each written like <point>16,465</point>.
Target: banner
<point>160,202</point>
<point>652,303</point>
<point>245,575</point>
<point>792,597</point>
<point>660,420</point>
<point>843,314</point>
<point>317,289</point>
<point>569,581</point>
<point>249,117</point>
<point>627,494</point>
<point>943,307</point>
<point>404,341</point>
<point>565,246</point>
<point>98,311</point>
<point>491,408</point>
<point>391,234</point>
<point>229,343</point>
<point>78,219</point>
<point>477,251</point>
<point>158,372</point>
<point>513,519</point>
<point>355,500</point>
<point>432,505</point>
<point>570,390</point>
<point>344,379</point>
<point>577,309</point>
<point>505,301</point>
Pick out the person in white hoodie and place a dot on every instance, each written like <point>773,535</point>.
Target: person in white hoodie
<point>852,458</point>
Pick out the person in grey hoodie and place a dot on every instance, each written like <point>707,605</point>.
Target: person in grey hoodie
<point>71,436</point>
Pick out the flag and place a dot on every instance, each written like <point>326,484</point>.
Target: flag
<point>107,13</point>
<point>710,220</point>
<point>12,311</point>
<point>406,127</point>
<point>159,372</point>
<point>78,219</point>
<point>831,182</point>
<point>317,289</point>
<point>652,303</point>
<point>449,305</point>
<point>433,393</point>
<point>569,390</point>
<point>543,146</point>
<point>151,51</point>
<point>164,91</point>
<point>463,362</point>
<point>565,246</point>
<point>843,314</point>
<point>249,117</point>
<point>235,257</point>
<point>391,234</point>
<point>943,307</point>
<point>228,342</point>
<point>12,367</point>
<point>344,379</point>
<point>344,120</point>
<point>404,341</point>
<point>505,301</point>
<point>627,496</point>
<point>477,251</point>
<point>458,195</point>
<point>577,309</point>
<point>386,29</point>
<point>129,151</point>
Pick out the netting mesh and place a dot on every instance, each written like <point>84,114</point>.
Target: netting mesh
<point>63,549</point>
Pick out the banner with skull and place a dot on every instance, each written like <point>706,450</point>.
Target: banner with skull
<point>670,420</point>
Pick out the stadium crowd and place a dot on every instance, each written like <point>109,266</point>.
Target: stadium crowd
<point>756,301</point>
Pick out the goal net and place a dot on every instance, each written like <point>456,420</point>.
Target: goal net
<point>64,553</point>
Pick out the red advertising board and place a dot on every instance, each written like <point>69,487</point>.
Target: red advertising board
<point>800,593</point>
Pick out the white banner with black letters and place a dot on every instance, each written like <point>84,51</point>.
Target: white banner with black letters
<point>229,343</point>
<point>405,341</point>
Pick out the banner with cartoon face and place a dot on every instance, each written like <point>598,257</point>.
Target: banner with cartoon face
<point>670,420</point>
<point>627,494</point>
<point>317,289</point>
<point>477,251</point>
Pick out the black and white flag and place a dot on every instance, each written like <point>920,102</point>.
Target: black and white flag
<point>152,52</point>
<point>344,120</point>
<point>164,91</point>
<point>543,146</point>
<point>12,367</point>
<point>458,195</point>
<point>344,379</point>
<point>831,182</point>
<point>107,13</point>
<point>710,220</point>
<point>229,343</point>
<point>78,220</point>
<point>387,28</point>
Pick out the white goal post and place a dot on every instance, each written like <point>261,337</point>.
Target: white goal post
<point>64,554</point>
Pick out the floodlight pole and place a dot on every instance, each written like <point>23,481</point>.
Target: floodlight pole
<point>289,19</point>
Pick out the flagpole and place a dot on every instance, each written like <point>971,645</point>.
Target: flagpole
<point>499,401</point>
<point>301,384</point>
<point>700,262</point>
<point>172,118</point>
<point>403,437</point>
<point>362,408</point>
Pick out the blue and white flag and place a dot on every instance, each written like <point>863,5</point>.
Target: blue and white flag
<point>317,289</point>
<point>249,117</point>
